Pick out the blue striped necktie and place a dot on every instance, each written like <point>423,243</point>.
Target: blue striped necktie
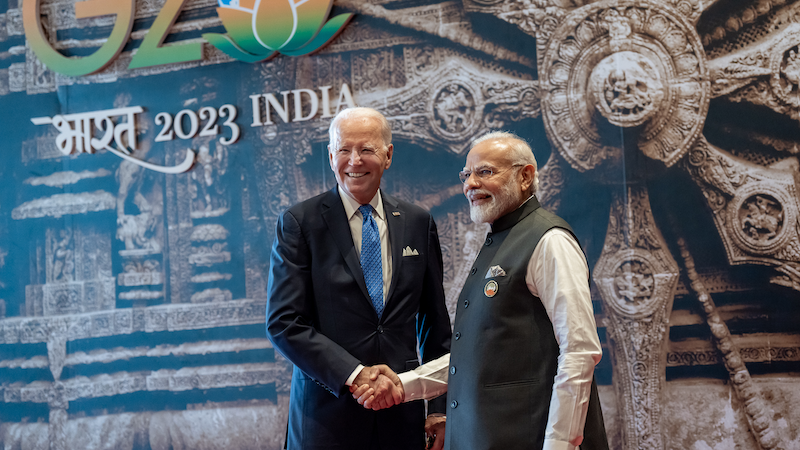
<point>371,258</point>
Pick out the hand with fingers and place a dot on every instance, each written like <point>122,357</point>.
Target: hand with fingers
<point>377,387</point>
<point>434,430</point>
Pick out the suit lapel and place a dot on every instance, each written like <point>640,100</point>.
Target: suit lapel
<point>335,218</point>
<point>396,223</point>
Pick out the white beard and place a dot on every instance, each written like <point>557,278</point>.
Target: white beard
<point>503,201</point>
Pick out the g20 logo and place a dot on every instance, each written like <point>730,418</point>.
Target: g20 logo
<point>256,31</point>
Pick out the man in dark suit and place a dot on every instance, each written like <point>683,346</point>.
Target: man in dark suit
<point>355,280</point>
<point>520,375</point>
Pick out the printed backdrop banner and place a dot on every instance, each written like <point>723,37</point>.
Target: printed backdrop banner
<point>149,147</point>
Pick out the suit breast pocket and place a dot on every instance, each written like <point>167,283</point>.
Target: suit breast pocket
<point>411,267</point>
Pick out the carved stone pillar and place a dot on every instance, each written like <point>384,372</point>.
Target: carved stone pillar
<point>637,276</point>
<point>755,409</point>
<point>58,417</point>
<point>57,396</point>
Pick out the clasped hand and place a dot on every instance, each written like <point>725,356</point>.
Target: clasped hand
<point>377,387</point>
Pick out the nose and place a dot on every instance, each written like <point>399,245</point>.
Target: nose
<point>473,182</point>
<point>355,158</point>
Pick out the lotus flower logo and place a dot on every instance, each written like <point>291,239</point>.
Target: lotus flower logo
<point>259,29</point>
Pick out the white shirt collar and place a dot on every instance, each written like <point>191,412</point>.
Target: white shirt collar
<point>351,205</point>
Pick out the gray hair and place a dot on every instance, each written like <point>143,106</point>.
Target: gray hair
<point>520,152</point>
<point>352,113</point>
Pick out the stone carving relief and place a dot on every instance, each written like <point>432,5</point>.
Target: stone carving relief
<point>139,225</point>
<point>551,182</point>
<point>639,64</point>
<point>755,208</point>
<point>626,88</point>
<point>758,416</point>
<point>420,60</point>
<point>788,81</point>
<point>62,262</point>
<point>461,240</point>
<point>141,273</point>
<point>637,276</point>
<point>209,196</point>
<point>454,110</point>
<point>208,255</point>
<point>448,106</point>
<point>138,231</point>
<point>75,266</point>
<point>605,68</point>
<point>376,71</point>
<point>760,219</point>
<point>765,74</point>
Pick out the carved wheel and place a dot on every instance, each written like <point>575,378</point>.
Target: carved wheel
<point>633,65</point>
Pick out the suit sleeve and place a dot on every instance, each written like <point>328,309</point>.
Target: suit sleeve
<point>433,321</point>
<point>291,308</point>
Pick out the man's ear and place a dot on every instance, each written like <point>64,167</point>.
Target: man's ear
<point>389,154</point>
<point>527,173</point>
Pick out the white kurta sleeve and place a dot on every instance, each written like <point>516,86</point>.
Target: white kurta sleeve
<point>558,274</point>
<point>426,381</point>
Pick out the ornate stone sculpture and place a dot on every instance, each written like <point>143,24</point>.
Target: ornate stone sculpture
<point>637,276</point>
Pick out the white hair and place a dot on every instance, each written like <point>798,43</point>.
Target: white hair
<point>352,113</point>
<point>520,152</point>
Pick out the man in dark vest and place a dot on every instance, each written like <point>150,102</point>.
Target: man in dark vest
<point>525,344</point>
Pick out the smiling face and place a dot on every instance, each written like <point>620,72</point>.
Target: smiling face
<point>490,198</point>
<point>359,156</point>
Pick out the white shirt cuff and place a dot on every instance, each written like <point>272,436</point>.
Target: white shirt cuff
<point>411,386</point>
<point>353,375</point>
<point>551,444</point>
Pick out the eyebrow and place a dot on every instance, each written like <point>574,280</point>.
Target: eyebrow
<point>484,166</point>
<point>363,147</point>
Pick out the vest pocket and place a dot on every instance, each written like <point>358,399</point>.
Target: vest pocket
<point>509,384</point>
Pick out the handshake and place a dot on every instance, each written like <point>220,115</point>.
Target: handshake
<point>378,387</point>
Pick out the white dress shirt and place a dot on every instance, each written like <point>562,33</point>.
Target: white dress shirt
<point>356,222</point>
<point>558,274</point>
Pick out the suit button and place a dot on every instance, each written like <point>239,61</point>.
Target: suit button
<point>472,272</point>
<point>453,404</point>
<point>488,241</point>
<point>452,370</point>
<point>380,329</point>
<point>466,303</point>
<point>458,335</point>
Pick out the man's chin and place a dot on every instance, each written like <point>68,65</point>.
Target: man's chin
<point>362,193</point>
<point>481,214</point>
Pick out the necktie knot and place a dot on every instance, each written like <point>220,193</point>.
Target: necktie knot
<point>366,211</point>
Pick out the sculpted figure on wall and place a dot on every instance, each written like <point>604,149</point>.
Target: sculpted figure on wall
<point>138,231</point>
<point>207,188</point>
<point>63,266</point>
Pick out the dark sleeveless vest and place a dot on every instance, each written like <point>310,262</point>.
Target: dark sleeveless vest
<point>504,354</point>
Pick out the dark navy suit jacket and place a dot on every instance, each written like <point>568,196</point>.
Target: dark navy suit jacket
<point>320,317</point>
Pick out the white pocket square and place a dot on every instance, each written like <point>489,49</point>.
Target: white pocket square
<point>409,252</point>
<point>495,271</point>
